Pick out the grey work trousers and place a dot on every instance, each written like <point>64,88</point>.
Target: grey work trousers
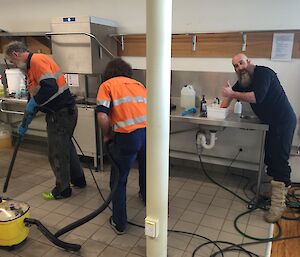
<point>62,154</point>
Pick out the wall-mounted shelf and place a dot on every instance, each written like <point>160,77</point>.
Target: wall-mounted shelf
<point>257,44</point>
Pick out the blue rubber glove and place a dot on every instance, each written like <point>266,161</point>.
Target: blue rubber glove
<point>31,105</point>
<point>25,123</point>
<point>190,110</point>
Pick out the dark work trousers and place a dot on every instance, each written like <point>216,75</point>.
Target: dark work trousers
<point>125,150</point>
<point>277,150</point>
<point>62,154</point>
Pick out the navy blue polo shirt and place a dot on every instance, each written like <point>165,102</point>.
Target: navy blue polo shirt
<point>272,105</point>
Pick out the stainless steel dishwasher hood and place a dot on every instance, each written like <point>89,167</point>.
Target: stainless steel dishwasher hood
<point>83,44</point>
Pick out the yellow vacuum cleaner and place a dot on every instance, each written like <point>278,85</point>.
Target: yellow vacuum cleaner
<point>15,223</point>
<point>13,229</point>
<point>14,215</point>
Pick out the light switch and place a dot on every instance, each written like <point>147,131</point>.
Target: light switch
<point>151,227</point>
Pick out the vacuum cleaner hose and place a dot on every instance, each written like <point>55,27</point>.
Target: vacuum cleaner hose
<point>51,237</point>
<point>11,165</point>
<point>17,145</point>
<point>102,207</point>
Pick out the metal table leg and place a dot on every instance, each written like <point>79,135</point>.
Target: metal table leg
<point>261,165</point>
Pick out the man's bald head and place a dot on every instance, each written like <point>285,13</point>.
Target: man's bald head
<point>240,59</point>
<point>243,67</point>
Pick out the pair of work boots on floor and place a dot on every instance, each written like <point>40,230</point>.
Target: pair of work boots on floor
<point>278,201</point>
<point>56,195</point>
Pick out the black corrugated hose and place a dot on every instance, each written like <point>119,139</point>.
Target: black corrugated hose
<point>103,206</point>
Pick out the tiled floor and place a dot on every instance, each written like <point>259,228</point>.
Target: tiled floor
<point>196,206</point>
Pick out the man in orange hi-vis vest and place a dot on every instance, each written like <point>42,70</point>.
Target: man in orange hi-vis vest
<point>50,94</point>
<point>122,108</point>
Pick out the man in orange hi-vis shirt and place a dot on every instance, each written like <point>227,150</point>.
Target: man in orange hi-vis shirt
<point>122,108</point>
<point>50,94</point>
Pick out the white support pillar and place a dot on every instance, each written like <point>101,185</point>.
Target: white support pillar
<point>159,35</point>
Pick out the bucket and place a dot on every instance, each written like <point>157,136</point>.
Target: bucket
<point>15,80</point>
<point>187,97</point>
<point>5,137</point>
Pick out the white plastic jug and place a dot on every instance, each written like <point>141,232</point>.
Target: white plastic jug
<point>15,80</point>
<point>188,97</point>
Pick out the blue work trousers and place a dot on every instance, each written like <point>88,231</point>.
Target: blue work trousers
<point>277,150</point>
<point>127,148</point>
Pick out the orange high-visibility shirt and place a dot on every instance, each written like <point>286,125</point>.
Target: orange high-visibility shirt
<point>126,98</point>
<point>43,67</point>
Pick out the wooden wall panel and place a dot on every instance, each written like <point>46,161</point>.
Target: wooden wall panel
<point>296,49</point>
<point>259,45</point>
<point>182,46</point>
<point>219,44</point>
<point>134,45</point>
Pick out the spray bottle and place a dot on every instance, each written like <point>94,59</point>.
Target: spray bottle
<point>238,107</point>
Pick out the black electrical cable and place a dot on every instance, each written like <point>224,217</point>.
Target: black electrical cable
<point>249,204</point>
<point>90,169</point>
<point>245,185</point>
<point>239,248</point>
<point>251,237</point>
<point>203,237</point>
<point>259,240</point>
<point>210,178</point>
<point>101,208</point>
<point>255,243</point>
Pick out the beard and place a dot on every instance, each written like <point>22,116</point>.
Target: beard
<point>21,65</point>
<point>245,78</point>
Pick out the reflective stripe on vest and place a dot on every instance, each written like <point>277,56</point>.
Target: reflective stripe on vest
<point>128,99</point>
<point>55,76</point>
<point>105,103</point>
<point>60,91</point>
<point>133,121</point>
<point>50,76</point>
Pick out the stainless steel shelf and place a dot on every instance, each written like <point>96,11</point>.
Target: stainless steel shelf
<point>23,34</point>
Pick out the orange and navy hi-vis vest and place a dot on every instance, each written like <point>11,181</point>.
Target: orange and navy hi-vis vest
<point>42,67</point>
<point>127,101</point>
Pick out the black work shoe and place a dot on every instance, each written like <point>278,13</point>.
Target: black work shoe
<point>55,195</point>
<point>79,182</point>
<point>60,195</point>
<point>114,227</point>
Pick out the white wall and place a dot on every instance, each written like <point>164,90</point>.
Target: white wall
<point>188,16</point>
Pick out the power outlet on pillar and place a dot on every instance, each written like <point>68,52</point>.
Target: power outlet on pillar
<point>151,227</point>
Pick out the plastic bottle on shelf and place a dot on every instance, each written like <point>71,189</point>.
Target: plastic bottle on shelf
<point>188,96</point>
<point>1,88</point>
<point>238,107</point>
